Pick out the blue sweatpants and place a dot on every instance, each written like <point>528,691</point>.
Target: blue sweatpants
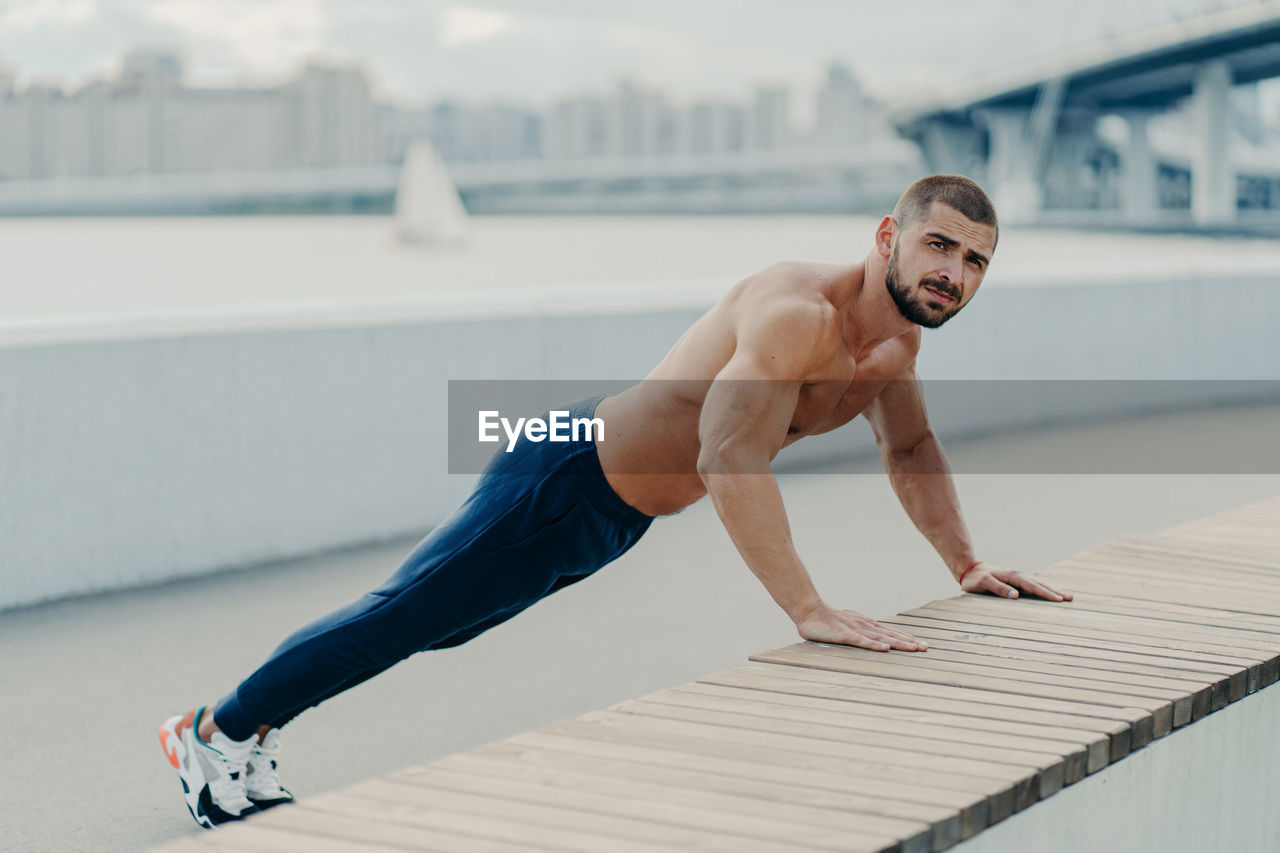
<point>540,518</point>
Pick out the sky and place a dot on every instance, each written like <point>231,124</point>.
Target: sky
<point>531,51</point>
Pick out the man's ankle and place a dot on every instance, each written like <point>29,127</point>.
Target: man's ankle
<point>205,726</point>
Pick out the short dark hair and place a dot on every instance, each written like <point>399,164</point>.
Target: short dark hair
<point>955,191</point>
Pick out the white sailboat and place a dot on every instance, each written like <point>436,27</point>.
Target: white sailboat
<point>428,209</point>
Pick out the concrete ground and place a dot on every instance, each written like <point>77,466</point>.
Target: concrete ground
<point>86,682</point>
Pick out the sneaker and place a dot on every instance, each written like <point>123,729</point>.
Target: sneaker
<point>261,781</point>
<point>212,774</point>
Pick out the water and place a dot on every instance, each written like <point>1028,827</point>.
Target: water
<point>83,270</point>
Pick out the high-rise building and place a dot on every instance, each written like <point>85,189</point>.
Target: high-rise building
<point>844,111</point>
<point>770,126</point>
<point>716,127</point>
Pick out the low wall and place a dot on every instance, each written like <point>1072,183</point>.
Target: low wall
<point>142,451</point>
<point>1209,787</point>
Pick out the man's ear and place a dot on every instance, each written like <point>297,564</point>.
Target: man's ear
<point>885,232</point>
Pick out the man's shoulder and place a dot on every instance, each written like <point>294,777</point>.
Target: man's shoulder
<point>792,288</point>
<point>786,312</point>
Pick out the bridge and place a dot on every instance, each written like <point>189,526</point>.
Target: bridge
<point>1027,132</point>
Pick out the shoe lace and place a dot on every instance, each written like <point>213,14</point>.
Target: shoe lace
<point>263,776</point>
<point>228,788</point>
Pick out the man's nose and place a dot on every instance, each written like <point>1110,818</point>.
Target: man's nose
<point>953,271</point>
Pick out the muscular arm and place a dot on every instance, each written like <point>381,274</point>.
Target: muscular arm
<point>921,478</point>
<point>743,424</point>
<point>918,469</point>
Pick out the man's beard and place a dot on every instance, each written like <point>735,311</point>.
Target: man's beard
<point>912,310</point>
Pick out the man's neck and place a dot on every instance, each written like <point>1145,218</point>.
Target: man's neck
<point>870,315</point>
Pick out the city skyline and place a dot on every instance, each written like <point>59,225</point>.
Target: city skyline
<point>531,54</point>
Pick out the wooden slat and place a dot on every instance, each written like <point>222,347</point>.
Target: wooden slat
<point>652,821</point>
<point>730,776</point>
<point>987,679</point>
<point>1122,726</point>
<point>943,782</point>
<point>908,735</point>
<point>1233,679</point>
<point>1167,639</point>
<point>907,750</point>
<point>568,773</point>
<point>540,827</point>
<point>1078,748</point>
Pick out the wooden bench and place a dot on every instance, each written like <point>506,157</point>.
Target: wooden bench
<point>821,747</point>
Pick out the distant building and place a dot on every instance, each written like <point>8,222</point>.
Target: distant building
<point>770,127</point>
<point>576,128</point>
<point>146,119</point>
<point>716,127</point>
<point>845,114</point>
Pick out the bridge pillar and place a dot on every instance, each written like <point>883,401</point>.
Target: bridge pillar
<point>1213,191</point>
<point>1139,197</point>
<point>1011,168</point>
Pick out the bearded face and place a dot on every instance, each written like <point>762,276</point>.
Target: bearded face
<point>915,302</point>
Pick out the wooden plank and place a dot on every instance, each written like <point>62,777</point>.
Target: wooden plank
<point>1160,711</point>
<point>1011,677</point>
<point>1166,612</point>
<point>1177,560</point>
<point>257,836</point>
<point>1197,577</point>
<point>745,828</point>
<point>1141,629</point>
<point>1006,789</point>
<point>351,822</point>
<point>1262,670</point>
<point>1123,727</point>
<point>538,827</point>
<point>1174,572</point>
<point>1232,679</point>
<point>1084,752</point>
<point>706,791</point>
<point>1117,583</point>
<point>906,734</point>
<point>1204,692</point>
<point>778,790</point>
<point>1049,767</point>
<point>974,813</point>
<point>661,821</point>
<point>1048,665</point>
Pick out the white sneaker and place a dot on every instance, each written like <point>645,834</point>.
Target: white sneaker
<point>261,779</point>
<point>212,774</point>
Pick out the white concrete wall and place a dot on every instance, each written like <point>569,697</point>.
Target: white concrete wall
<point>1210,785</point>
<point>130,455</point>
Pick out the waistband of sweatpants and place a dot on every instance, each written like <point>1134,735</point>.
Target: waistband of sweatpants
<point>591,476</point>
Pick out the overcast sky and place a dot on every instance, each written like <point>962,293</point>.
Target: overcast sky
<point>532,50</point>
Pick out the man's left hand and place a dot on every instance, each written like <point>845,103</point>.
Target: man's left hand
<point>1006,583</point>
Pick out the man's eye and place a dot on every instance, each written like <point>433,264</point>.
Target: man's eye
<point>939,244</point>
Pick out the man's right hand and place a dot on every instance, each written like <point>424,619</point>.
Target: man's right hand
<point>825,624</point>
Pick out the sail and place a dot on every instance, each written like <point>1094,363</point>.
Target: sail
<point>428,209</point>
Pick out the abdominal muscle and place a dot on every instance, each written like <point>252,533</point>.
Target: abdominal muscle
<point>650,448</point>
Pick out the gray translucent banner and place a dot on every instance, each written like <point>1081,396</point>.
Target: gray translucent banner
<point>1041,426</point>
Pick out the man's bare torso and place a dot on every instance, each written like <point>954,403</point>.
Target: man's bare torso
<point>651,444</point>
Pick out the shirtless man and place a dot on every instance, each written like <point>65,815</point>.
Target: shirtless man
<point>795,350</point>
